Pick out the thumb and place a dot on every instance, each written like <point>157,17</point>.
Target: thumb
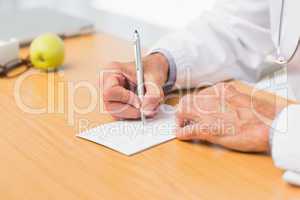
<point>153,97</point>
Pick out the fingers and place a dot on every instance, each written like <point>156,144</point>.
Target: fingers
<point>121,95</point>
<point>184,119</point>
<point>252,138</point>
<point>152,99</point>
<point>120,102</point>
<point>193,107</point>
<point>217,124</point>
<point>114,90</point>
<point>196,132</point>
<point>122,111</point>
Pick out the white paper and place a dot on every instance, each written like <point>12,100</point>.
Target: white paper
<point>130,137</point>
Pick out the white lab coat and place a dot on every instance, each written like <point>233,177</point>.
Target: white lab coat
<point>233,40</point>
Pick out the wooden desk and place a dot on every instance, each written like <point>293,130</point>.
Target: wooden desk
<point>42,159</point>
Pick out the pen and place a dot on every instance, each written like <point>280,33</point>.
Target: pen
<point>139,70</point>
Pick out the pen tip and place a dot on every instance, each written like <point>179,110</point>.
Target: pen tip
<point>135,31</point>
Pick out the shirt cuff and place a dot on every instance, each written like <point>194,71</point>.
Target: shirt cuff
<point>284,140</point>
<point>292,177</point>
<point>168,86</point>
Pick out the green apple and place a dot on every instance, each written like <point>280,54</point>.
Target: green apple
<point>47,52</point>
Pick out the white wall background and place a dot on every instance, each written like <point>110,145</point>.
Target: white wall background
<point>168,13</point>
<point>120,17</point>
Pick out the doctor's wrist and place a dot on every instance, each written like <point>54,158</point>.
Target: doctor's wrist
<point>172,69</point>
<point>156,68</point>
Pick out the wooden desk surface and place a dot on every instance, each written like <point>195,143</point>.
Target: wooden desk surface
<point>42,159</point>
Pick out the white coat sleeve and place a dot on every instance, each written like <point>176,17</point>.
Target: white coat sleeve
<point>285,142</point>
<point>229,41</point>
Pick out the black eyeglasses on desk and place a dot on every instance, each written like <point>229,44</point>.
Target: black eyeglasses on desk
<point>14,68</point>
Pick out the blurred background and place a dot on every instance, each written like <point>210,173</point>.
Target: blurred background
<point>118,17</point>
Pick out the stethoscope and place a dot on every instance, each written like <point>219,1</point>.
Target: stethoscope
<point>279,58</point>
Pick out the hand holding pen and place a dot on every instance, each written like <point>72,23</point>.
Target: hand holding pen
<point>119,86</point>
